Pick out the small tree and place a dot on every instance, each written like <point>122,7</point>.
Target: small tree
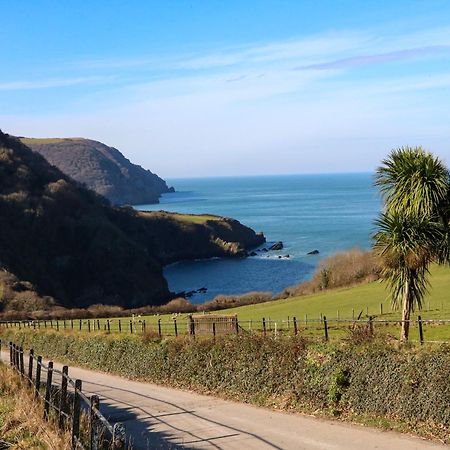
<point>413,228</point>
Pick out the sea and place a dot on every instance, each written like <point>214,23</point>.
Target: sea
<point>324,212</point>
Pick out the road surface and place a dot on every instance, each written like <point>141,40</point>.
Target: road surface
<point>163,418</point>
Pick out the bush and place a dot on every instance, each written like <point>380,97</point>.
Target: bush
<point>232,301</point>
<point>340,270</point>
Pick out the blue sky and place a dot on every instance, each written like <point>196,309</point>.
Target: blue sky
<point>205,88</point>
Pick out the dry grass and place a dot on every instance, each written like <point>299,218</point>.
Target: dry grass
<point>343,269</point>
<point>21,424</point>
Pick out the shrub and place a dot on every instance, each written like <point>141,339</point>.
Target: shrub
<point>342,269</point>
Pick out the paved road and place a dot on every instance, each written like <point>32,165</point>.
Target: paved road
<point>165,418</point>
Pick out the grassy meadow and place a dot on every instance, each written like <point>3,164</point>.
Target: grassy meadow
<point>364,300</point>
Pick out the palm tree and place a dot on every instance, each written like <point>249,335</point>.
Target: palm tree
<point>413,228</point>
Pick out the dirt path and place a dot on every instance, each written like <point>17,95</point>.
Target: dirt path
<point>165,418</point>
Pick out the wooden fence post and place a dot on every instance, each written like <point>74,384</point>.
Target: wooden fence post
<point>264,325</point>
<point>63,398</point>
<point>131,326</point>
<point>144,325</point>
<point>159,328</point>
<point>57,325</point>
<point>30,367</point>
<point>48,390</point>
<point>76,414</point>
<point>325,327</point>
<point>21,365</point>
<point>94,422</point>
<point>120,326</point>
<point>98,324</point>
<point>71,324</point>
<point>237,325</point>
<point>38,375</point>
<point>214,330</point>
<point>294,320</point>
<point>175,327</point>
<point>370,324</point>
<point>419,320</point>
<point>108,326</point>
<point>81,324</point>
<point>89,325</point>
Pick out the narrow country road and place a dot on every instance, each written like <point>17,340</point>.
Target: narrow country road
<point>163,418</point>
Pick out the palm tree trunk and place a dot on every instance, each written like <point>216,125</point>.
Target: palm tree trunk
<point>406,313</point>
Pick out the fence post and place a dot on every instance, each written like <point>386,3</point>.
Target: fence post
<point>131,327</point>
<point>57,325</point>
<point>21,365</point>
<point>45,324</point>
<point>71,324</point>
<point>93,422</point>
<point>159,328</point>
<point>76,414</point>
<point>119,439</point>
<point>63,398</point>
<point>214,329</point>
<point>175,327</point>
<point>89,325</point>
<point>64,323</point>
<point>30,367</point>
<point>419,320</point>
<point>38,375</point>
<point>17,362</point>
<point>294,320</point>
<point>81,324</point>
<point>10,353</point>
<point>370,324</point>
<point>191,326</point>
<point>381,309</point>
<point>325,327</point>
<point>48,390</point>
<point>109,326</point>
<point>144,325</point>
<point>120,326</point>
<point>98,324</point>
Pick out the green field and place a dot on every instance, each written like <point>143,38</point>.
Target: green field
<point>192,218</point>
<point>361,301</point>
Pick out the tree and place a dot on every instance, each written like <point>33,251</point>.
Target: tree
<point>413,227</point>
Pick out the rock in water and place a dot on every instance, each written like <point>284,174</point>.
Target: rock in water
<point>314,252</point>
<point>277,246</point>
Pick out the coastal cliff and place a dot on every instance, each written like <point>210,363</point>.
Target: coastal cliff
<point>71,247</point>
<point>102,169</point>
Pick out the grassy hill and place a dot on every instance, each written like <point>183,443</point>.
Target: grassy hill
<point>101,168</point>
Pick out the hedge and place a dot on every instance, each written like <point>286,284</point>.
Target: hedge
<point>376,382</point>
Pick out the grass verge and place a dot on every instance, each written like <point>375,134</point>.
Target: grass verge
<point>22,426</point>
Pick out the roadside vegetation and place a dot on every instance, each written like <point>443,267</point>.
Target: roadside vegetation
<point>21,425</point>
<point>363,378</point>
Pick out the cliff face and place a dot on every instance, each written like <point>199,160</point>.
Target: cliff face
<point>68,243</point>
<point>101,168</point>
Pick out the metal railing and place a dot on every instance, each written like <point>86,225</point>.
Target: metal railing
<point>67,401</point>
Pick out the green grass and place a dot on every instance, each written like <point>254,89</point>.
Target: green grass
<point>347,303</point>
<point>192,218</point>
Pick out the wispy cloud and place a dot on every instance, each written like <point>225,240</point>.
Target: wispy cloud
<point>51,83</point>
<point>399,55</point>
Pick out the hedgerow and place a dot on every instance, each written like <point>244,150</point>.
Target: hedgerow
<point>408,387</point>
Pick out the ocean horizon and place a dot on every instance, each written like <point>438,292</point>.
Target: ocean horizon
<point>327,212</point>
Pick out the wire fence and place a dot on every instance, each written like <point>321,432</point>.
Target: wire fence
<point>63,401</point>
<point>431,330</point>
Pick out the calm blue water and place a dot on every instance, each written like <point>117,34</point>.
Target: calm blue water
<point>327,212</point>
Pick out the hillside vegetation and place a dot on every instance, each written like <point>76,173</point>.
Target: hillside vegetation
<point>70,244</point>
<point>374,382</point>
<point>101,168</point>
